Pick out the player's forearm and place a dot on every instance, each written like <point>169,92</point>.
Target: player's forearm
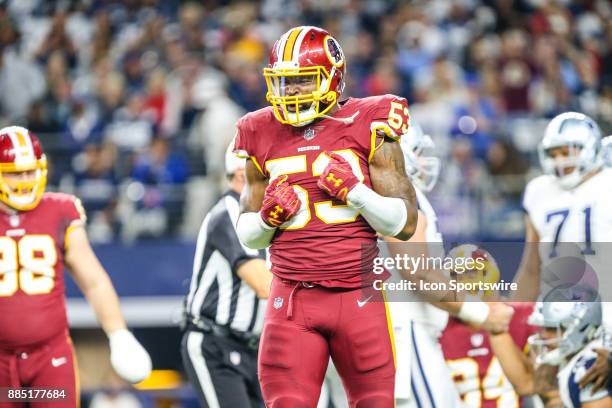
<point>452,308</point>
<point>423,278</point>
<point>388,216</point>
<point>93,281</point>
<point>605,402</point>
<point>257,276</point>
<point>546,385</point>
<point>528,274</point>
<point>253,231</point>
<point>389,180</point>
<point>527,280</point>
<point>411,220</point>
<point>514,363</point>
<point>475,313</point>
<point>105,303</point>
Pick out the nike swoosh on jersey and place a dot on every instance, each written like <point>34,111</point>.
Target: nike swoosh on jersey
<point>361,303</point>
<point>56,362</point>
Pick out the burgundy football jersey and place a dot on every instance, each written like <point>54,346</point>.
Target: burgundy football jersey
<point>326,241</point>
<point>32,248</point>
<point>475,369</point>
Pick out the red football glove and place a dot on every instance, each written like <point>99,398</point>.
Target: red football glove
<point>280,202</point>
<point>338,177</point>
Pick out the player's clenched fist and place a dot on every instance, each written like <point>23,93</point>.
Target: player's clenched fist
<point>499,317</point>
<point>338,177</point>
<point>280,202</point>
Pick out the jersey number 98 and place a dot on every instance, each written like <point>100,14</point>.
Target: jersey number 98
<point>28,264</point>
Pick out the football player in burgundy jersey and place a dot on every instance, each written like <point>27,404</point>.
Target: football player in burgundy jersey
<point>469,350</point>
<point>39,233</point>
<point>324,176</point>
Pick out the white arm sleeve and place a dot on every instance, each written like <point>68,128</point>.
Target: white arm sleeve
<point>387,215</point>
<point>474,312</point>
<point>253,232</point>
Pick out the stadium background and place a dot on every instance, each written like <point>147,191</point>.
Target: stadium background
<point>134,102</point>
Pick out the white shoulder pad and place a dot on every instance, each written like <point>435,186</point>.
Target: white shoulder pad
<point>536,190</point>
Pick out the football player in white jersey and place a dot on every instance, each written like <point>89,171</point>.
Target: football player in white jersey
<point>422,376</point>
<point>569,333</point>
<point>607,150</point>
<point>568,221</point>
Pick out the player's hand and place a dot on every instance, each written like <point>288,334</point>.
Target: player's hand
<point>499,318</point>
<point>599,373</point>
<point>338,177</point>
<point>129,359</point>
<point>280,202</point>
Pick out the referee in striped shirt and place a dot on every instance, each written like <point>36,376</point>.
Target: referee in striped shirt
<point>224,307</point>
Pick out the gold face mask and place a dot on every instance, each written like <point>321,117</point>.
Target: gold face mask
<point>299,95</point>
<point>22,187</point>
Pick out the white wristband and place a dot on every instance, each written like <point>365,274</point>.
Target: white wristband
<point>474,312</point>
<point>253,232</point>
<point>387,215</point>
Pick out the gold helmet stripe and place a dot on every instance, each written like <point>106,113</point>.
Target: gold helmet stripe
<point>20,139</point>
<point>24,151</point>
<point>298,42</point>
<point>24,148</point>
<point>288,51</point>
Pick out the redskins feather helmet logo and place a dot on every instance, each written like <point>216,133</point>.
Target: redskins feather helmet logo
<point>334,52</point>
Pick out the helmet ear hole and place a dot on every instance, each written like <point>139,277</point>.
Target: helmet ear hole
<point>330,97</point>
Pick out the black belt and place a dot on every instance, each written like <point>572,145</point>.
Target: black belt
<point>210,327</point>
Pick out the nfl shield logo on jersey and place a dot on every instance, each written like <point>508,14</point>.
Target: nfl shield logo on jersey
<point>14,220</point>
<point>278,302</point>
<point>309,133</point>
<point>477,340</point>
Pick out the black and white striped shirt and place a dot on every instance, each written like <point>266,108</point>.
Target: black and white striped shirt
<point>216,292</point>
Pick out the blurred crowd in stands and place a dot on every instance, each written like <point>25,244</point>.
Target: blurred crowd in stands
<point>136,100</point>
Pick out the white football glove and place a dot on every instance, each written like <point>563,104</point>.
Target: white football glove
<point>129,359</point>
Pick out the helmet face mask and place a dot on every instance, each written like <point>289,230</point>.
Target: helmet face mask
<point>23,169</point>
<point>233,162</point>
<point>22,192</point>
<point>423,167</point>
<point>547,346</point>
<point>565,326</point>
<point>421,164</point>
<point>571,149</point>
<point>307,59</point>
<point>565,162</point>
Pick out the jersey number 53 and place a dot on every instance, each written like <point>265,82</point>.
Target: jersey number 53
<point>326,211</point>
